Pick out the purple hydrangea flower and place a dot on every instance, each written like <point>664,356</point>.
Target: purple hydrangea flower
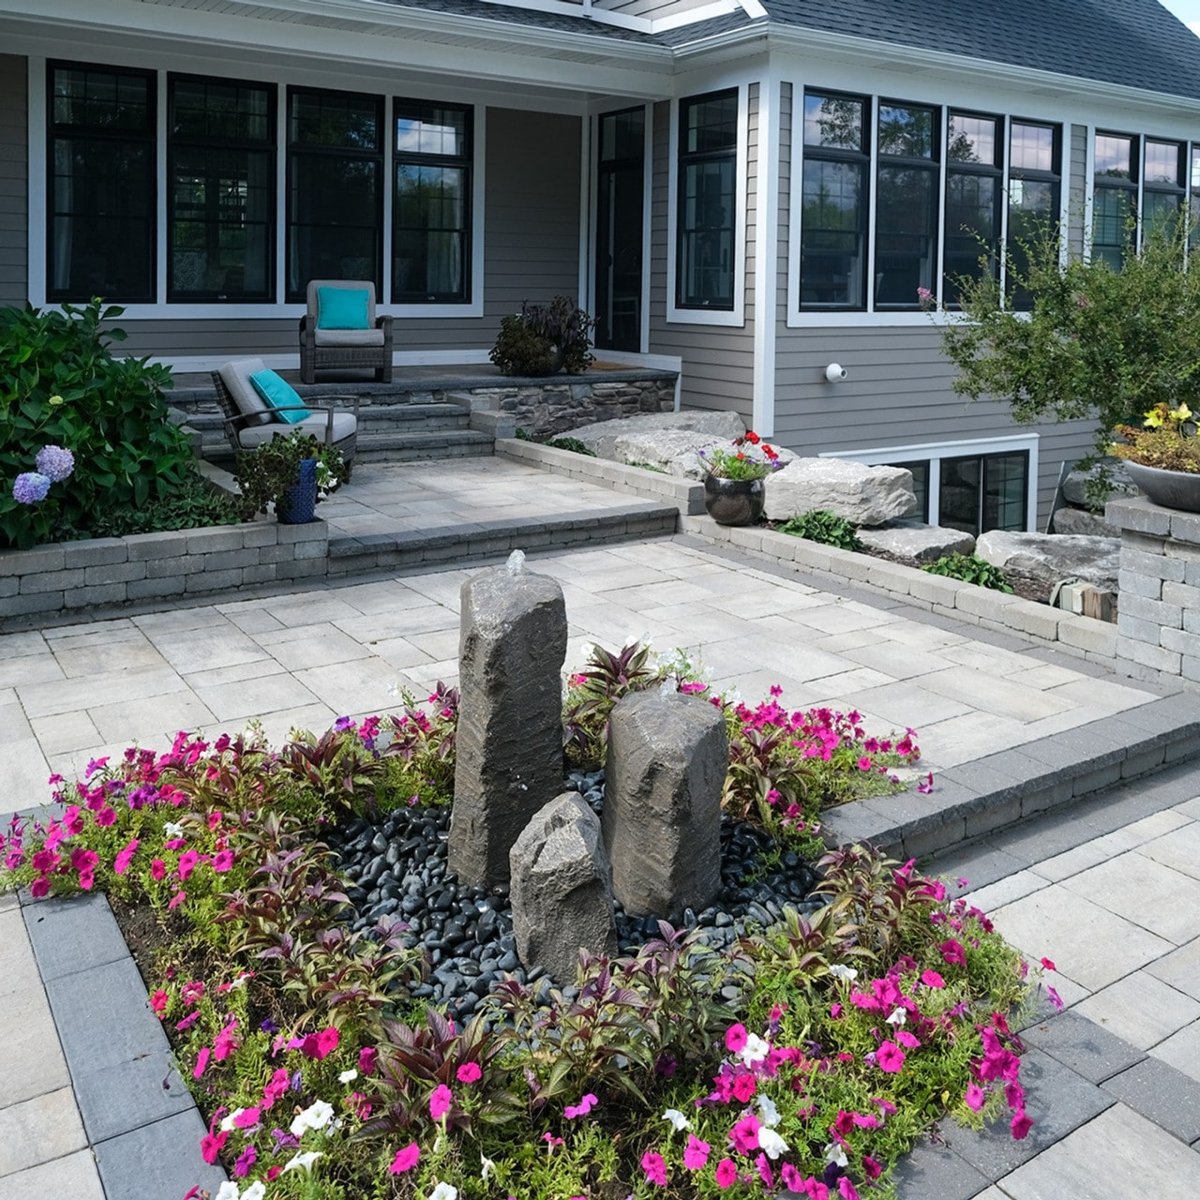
<point>55,463</point>
<point>30,488</point>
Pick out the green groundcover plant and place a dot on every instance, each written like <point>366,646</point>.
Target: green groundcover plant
<point>826,527</point>
<point>808,1056</point>
<point>969,568</point>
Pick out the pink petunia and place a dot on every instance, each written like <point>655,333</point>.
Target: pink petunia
<point>744,1134</point>
<point>764,1170</point>
<point>792,1179</point>
<point>188,861</point>
<point>106,816</point>
<point>440,1101</point>
<point>121,862</point>
<point>188,1021</point>
<point>744,1087</point>
<point>890,1058</point>
<point>368,1059</point>
<point>907,1040</point>
<point>248,1118</point>
<point>158,869</point>
<point>953,954</point>
<point>847,1189</point>
<point>932,979</point>
<point>735,1038</point>
<point>159,1001</point>
<point>245,1160</point>
<point>222,861</point>
<point>654,1168</point>
<point>695,1154</point>
<point>835,1011</point>
<point>585,1106</point>
<point>201,1062</point>
<point>469,1072</point>
<point>405,1159</point>
<point>974,1097</point>
<point>726,1173</point>
<point>1021,1125</point>
<point>176,900</point>
<point>871,1168</point>
<point>211,1145</point>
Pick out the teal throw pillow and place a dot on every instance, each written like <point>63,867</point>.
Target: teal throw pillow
<point>342,308</point>
<point>277,393</point>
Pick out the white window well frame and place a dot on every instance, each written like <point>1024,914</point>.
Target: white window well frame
<point>934,452</point>
<point>735,316</point>
<point>161,309</point>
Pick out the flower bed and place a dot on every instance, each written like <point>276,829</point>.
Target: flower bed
<point>806,1052</point>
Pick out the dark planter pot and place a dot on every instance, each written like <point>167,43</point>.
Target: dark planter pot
<point>298,504</point>
<point>1171,489</point>
<point>734,501</point>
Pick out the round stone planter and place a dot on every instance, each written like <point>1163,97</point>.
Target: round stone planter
<point>1171,489</point>
<point>734,501</point>
<point>298,504</point>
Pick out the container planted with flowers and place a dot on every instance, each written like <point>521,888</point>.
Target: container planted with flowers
<point>291,474</point>
<point>734,480</point>
<point>1163,457</point>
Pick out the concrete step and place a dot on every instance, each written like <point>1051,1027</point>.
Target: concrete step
<point>974,799</point>
<point>390,446</point>
<point>496,538</point>
<point>384,418</point>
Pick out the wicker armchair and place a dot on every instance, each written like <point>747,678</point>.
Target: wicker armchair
<point>330,349</point>
<point>249,422</point>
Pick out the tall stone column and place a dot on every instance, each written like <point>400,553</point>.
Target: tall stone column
<point>512,644</point>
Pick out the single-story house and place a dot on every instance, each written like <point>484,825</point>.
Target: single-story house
<point>749,190</point>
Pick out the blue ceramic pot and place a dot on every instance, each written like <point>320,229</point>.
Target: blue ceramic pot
<point>298,504</point>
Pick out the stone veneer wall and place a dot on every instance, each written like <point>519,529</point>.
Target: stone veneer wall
<point>149,566</point>
<point>555,405</point>
<point>1158,621</point>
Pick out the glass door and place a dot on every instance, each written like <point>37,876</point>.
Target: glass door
<point>620,184</point>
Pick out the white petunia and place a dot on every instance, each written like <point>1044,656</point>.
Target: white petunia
<point>227,1191</point>
<point>771,1144</point>
<point>444,1191</point>
<point>841,971</point>
<point>677,1119</point>
<point>303,1161</point>
<point>348,1076</point>
<point>172,829</point>
<point>316,1116</point>
<point>834,1153</point>
<point>897,1017</point>
<point>754,1051</point>
<point>229,1122</point>
<point>767,1110</point>
<point>487,1168</point>
<point>256,1191</point>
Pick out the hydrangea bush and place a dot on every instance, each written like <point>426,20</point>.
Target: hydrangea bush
<point>807,1056</point>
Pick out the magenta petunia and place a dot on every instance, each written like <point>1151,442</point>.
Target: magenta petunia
<point>744,1134</point>
<point>245,1160</point>
<point>440,1101</point>
<point>469,1072</point>
<point>368,1059</point>
<point>953,954</point>
<point>695,1154</point>
<point>222,861</point>
<point>586,1103</point>
<point>932,979</point>
<point>158,869</point>
<point>847,1189</point>
<point>201,1062</point>
<point>974,1097</point>
<point>121,862</point>
<point>654,1168</point>
<point>735,1038</point>
<point>890,1058</point>
<point>726,1173</point>
<point>405,1159</point>
<point>1021,1125</point>
<point>907,1040</point>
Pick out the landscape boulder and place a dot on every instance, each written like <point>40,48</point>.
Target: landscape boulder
<point>1042,560</point>
<point>561,889</point>
<point>601,437</point>
<point>676,451</point>
<point>668,754</point>
<point>1075,485</point>
<point>1079,520</point>
<point>912,542</point>
<point>865,495</point>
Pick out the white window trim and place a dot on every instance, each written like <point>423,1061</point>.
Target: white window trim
<point>934,452</point>
<point>700,316</point>
<point>161,309</point>
<point>798,318</point>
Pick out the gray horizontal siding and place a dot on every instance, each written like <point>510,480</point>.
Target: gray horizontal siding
<point>1077,195</point>
<point>531,223</point>
<point>898,393</point>
<point>14,220</point>
<point>718,360</point>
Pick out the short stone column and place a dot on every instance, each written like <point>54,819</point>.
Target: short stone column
<point>1158,606</point>
<point>509,747</point>
<point>667,759</point>
<point>561,893</point>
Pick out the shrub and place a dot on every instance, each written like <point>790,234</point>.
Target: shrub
<point>970,568</point>
<point>573,444</point>
<point>820,525</point>
<point>544,339</point>
<point>60,384</point>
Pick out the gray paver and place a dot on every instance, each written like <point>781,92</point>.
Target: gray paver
<point>1161,1094</point>
<point>38,1130</point>
<point>1141,1009</point>
<point>931,1171</point>
<point>73,934</point>
<point>1181,969</point>
<point>1084,1046</point>
<point>161,1160</point>
<point>117,1099</point>
<point>73,1176</point>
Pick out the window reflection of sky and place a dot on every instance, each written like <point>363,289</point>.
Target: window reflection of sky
<point>1112,155</point>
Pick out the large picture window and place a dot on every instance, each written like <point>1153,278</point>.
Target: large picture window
<point>221,179</point>
<point>1114,198</point>
<point>1034,196</point>
<point>431,216</point>
<point>707,200</point>
<point>906,205</point>
<point>335,188</point>
<point>833,240</point>
<point>974,186</point>
<point>1163,184</point>
<point>101,183</point>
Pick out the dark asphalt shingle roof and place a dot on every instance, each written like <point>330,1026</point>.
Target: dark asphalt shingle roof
<point>1136,43</point>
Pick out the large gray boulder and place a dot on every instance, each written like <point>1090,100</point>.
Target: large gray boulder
<point>864,495</point>
<point>1045,559</point>
<point>601,438</point>
<point>1080,521</point>
<point>913,542</point>
<point>1075,485</point>
<point>677,451</point>
<point>668,754</point>
<point>512,642</point>
<point>561,891</point>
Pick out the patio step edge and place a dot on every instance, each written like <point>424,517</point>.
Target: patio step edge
<point>977,798</point>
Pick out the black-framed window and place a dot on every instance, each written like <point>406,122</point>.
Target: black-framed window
<point>1114,196</point>
<point>334,188</point>
<point>1034,195</point>
<point>920,473</point>
<point>431,210</point>
<point>706,250</point>
<point>834,202</point>
<point>906,203</point>
<point>221,190</point>
<point>1164,183</point>
<point>101,155</point>
<point>979,492</point>
<point>974,187</point>
<point>1194,198</point>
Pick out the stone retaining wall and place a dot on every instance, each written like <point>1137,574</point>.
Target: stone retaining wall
<point>149,566</point>
<point>1158,623</point>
